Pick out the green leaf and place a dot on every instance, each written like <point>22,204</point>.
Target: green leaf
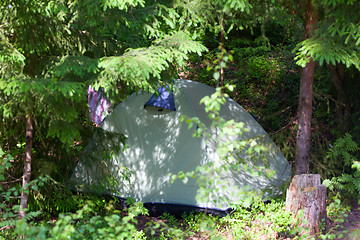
<point>216,76</point>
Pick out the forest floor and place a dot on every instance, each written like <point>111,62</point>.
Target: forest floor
<point>349,229</point>
<point>351,226</point>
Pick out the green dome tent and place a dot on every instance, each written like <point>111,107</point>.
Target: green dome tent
<point>158,143</point>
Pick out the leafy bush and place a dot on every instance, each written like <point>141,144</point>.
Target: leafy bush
<point>240,54</point>
<point>336,213</point>
<point>53,198</point>
<point>262,220</point>
<point>98,219</point>
<point>5,192</point>
<point>84,224</point>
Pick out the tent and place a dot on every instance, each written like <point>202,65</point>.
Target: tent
<point>159,143</point>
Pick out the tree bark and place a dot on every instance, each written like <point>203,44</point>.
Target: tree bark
<point>222,45</point>
<point>306,193</point>
<point>303,137</point>
<point>342,105</point>
<point>27,166</point>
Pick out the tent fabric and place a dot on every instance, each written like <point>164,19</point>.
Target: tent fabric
<point>98,105</point>
<point>164,98</point>
<point>159,143</point>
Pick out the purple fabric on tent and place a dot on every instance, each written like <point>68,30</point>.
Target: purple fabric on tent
<point>99,106</point>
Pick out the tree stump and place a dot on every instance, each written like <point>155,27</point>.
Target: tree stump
<point>306,193</point>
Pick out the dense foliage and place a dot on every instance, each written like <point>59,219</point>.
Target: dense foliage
<point>51,51</point>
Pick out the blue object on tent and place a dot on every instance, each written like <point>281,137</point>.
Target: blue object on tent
<point>164,99</point>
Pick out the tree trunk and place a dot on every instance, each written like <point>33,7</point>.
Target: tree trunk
<point>220,83</point>
<point>306,193</point>
<point>303,137</point>
<point>342,104</point>
<point>27,166</point>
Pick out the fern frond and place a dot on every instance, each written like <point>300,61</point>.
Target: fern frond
<point>327,52</point>
<point>77,65</point>
<point>345,178</point>
<point>137,66</point>
<point>12,61</point>
<point>122,4</point>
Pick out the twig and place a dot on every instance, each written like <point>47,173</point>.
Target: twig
<point>16,180</point>
<point>9,197</point>
<point>4,227</point>
<point>289,69</point>
<point>328,97</point>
